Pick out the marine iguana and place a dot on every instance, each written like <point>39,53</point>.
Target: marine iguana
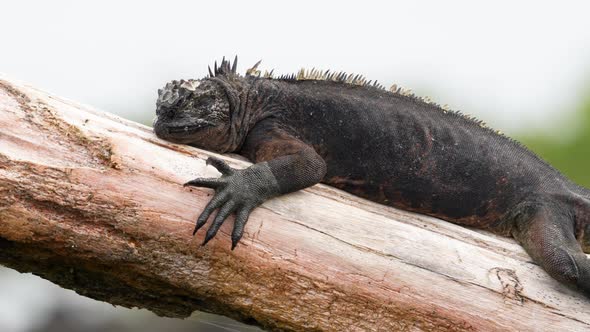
<point>390,147</point>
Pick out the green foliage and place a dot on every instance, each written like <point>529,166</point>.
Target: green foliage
<point>571,157</point>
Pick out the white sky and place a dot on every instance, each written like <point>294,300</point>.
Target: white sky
<point>515,64</point>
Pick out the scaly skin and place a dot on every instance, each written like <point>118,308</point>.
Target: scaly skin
<point>388,147</point>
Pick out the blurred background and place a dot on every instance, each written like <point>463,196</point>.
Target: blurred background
<point>523,67</point>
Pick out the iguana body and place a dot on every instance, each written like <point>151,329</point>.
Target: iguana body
<point>386,146</point>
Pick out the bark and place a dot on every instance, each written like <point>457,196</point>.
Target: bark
<point>95,203</point>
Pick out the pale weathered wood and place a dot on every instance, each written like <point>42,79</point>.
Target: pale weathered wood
<point>95,203</point>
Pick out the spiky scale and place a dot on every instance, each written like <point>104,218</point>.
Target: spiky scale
<point>315,74</point>
<point>234,68</point>
<point>254,69</point>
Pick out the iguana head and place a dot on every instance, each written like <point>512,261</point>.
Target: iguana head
<point>195,112</point>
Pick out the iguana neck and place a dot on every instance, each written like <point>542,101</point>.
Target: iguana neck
<point>236,90</point>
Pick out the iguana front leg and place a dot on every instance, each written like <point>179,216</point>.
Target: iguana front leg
<point>284,164</point>
<point>238,191</point>
<point>546,231</point>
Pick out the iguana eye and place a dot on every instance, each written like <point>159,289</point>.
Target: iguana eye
<point>204,101</point>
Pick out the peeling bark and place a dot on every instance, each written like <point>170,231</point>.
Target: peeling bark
<point>95,204</point>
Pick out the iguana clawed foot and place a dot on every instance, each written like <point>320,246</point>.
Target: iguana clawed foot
<point>237,191</point>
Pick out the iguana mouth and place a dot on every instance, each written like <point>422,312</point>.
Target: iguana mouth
<point>187,129</point>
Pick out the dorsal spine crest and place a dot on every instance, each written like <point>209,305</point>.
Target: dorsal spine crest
<point>229,69</point>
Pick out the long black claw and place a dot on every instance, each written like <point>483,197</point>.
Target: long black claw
<point>220,165</point>
<point>207,239</point>
<point>239,224</point>
<point>201,222</point>
<point>223,213</point>
<point>205,182</point>
<point>216,202</point>
<point>197,226</point>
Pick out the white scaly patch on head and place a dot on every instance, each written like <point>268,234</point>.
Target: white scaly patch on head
<point>190,85</point>
<point>176,90</point>
<point>168,95</point>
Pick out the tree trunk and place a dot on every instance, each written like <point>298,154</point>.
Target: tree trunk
<point>95,203</point>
